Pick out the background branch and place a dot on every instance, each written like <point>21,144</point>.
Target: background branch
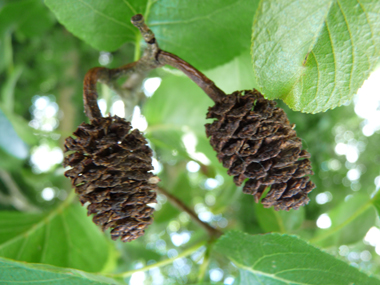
<point>153,58</point>
<point>16,198</point>
<point>213,232</point>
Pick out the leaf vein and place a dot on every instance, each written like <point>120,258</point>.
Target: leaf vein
<point>335,69</point>
<point>352,47</point>
<point>205,17</point>
<point>317,88</point>
<point>106,16</point>
<point>369,25</point>
<point>130,6</point>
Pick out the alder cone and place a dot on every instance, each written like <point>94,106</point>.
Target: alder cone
<point>255,141</point>
<point>110,170</point>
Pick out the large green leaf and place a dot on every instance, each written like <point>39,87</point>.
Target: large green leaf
<point>105,25</point>
<point>64,237</point>
<point>206,33</point>
<point>12,272</point>
<point>350,221</point>
<point>315,54</point>
<point>281,259</point>
<point>21,16</point>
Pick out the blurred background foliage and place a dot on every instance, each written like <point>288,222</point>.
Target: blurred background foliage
<point>42,66</point>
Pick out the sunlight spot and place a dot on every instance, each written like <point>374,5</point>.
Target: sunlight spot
<point>211,183</point>
<point>102,106</point>
<point>105,58</point>
<point>229,280</point>
<point>324,221</point>
<point>377,182</point>
<point>137,278</point>
<point>216,274</point>
<point>353,174</point>
<point>150,85</point>
<point>193,166</point>
<point>365,255</point>
<point>48,194</point>
<point>323,198</point>
<point>156,165</point>
<point>44,112</point>
<point>341,148</point>
<point>138,121</point>
<point>43,157</point>
<point>205,216</point>
<point>373,236</point>
<point>367,101</point>
<point>190,141</point>
<point>180,239</point>
<point>117,109</point>
<point>334,164</point>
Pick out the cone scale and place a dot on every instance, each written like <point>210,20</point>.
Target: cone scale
<point>255,141</point>
<point>110,166</point>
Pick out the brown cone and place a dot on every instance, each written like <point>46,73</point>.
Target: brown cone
<point>257,144</point>
<point>110,165</point>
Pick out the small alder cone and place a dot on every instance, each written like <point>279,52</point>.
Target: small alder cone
<point>110,165</point>
<point>255,141</point>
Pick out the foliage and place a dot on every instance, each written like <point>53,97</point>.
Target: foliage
<point>312,55</point>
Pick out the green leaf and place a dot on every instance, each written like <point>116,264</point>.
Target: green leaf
<point>105,25</point>
<point>64,237</point>
<point>279,221</point>
<point>281,259</point>
<point>205,33</point>
<point>12,272</point>
<point>315,54</point>
<point>350,221</point>
<point>21,16</point>
<point>9,140</point>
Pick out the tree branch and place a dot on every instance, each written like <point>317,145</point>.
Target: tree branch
<point>153,58</point>
<point>213,232</point>
<point>16,197</point>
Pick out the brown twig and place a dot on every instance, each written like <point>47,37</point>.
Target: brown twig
<point>213,232</point>
<point>153,58</point>
<point>168,58</point>
<point>207,85</point>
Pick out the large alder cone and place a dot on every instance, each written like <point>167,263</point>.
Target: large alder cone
<point>255,141</point>
<point>110,171</point>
